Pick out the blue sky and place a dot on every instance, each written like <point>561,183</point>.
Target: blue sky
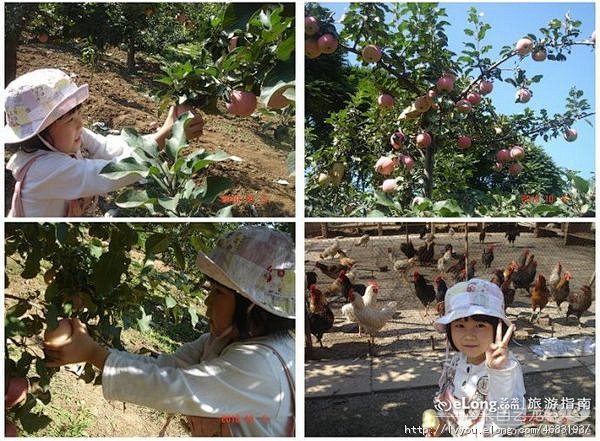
<point>511,21</point>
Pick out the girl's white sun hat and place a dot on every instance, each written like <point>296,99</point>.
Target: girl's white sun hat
<point>475,297</point>
<point>35,100</point>
<point>258,263</point>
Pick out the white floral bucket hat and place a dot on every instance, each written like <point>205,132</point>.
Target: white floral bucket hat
<point>258,263</point>
<point>475,297</point>
<point>36,99</point>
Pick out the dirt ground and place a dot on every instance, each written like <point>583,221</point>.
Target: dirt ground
<point>393,414</point>
<point>409,329</point>
<point>120,100</point>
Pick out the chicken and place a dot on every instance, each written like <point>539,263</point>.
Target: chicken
<point>401,265</point>
<point>451,232</point>
<point>579,302</point>
<point>346,285</point>
<point>424,291</point>
<point>539,296</point>
<point>523,277</point>
<point>445,261</point>
<point>332,270</point>
<point>440,296</point>
<point>422,231</point>
<point>371,319</point>
<point>482,237</point>
<point>311,278</point>
<point>331,250</point>
<point>487,257</point>
<point>320,316</point>
<point>561,291</point>
<point>498,277</point>
<point>512,233</point>
<point>425,252</point>
<point>335,286</point>
<point>523,258</point>
<point>345,260</point>
<point>408,249</point>
<point>364,239</point>
<point>369,299</point>
<point>507,292</point>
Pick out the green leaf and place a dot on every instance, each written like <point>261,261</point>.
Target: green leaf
<point>178,255</point>
<point>144,322</point>
<point>193,316</point>
<point>125,167</point>
<point>236,15</point>
<point>382,198</point>
<point>225,211</point>
<point>286,48</point>
<point>170,204</point>
<point>170,302</point>
<point>215,185</point>
<point>580,184</point>
<point>32,264</point>
<point>178,140</point>
<point>146,146</point>
<point>132,198</point>
<point>157,243</point>
<point>108,271</point>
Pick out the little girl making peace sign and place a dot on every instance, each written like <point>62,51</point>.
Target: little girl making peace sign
<point>481,388</point>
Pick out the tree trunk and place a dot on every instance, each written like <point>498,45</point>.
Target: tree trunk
<point>10,58</point>
<point>131,55</point>
<point>428,168</point>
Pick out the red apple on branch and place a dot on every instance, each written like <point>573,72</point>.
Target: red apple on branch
<point>486,87</point>
<point>539,55</point>
<point>523,95</point>
<point>423,140</point>
<point>311,48</point>
<point>371,53</point>
<point>444,84</point>
<point>311,25</point>
<point>524,46</point>
<point>464,142</point>
<point>386,101</point>
<point>386,165</point>
<point>16,392</point>
<point>328,43</point>
<point>242,103</point>
<point>570,135</point>
<point>397,139</point>
<point>389,185</point>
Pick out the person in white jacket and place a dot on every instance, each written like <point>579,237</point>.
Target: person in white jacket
<point>236,380</point>
<point>53,176</point>
<point>482,392</point>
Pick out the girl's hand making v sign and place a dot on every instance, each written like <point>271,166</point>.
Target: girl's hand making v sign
<point>497,354</point>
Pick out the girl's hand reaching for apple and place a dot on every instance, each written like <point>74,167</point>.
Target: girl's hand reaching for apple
<point>79,347</point>
<point>193,129</point>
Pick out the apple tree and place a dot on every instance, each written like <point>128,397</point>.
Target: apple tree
<point>420,135</point>
<point>109,276</point>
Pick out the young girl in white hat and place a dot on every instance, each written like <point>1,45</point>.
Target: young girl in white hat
<point>238,379</point>
<point>481,388</point>
<point>53,179</point>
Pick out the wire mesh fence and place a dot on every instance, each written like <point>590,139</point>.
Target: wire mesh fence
<point>378,257</point>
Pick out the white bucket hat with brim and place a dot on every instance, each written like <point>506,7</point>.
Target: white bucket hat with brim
<point>475,297</point>
<point>35,100</point>
<point>259,264</point>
